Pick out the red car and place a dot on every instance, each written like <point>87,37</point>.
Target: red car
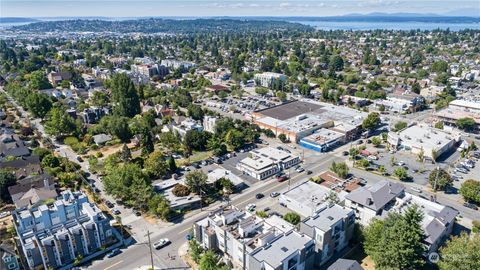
<point>282,178</point>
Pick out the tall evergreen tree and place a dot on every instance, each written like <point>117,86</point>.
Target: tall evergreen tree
<point>124,96</point>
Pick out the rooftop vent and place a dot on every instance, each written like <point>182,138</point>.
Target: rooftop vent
<point>284,249</point>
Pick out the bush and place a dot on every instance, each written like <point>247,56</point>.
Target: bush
<point>292,218</point>
<point>99,154</point>
<point>283,138</point>
<point>470,191</point>
<point>70,141</point>
<point>261,214</point>
<point>181,190</point>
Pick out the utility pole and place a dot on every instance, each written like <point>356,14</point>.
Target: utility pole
<point>150,246</point>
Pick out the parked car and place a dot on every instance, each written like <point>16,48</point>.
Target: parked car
<point>137,213</point>
<point>345,153</point>
<point>161,243</point>
<point>283,204</point>
<point>114,253</point>
<point>470,205</point>
<point>309,172</point>
<point>259,195</point>
<point>266,209</point>
<point>79,158</point>
<point>116,212</point>
<point>109,204</point>
<point>460,170</point>
<point>416,189</point>
<point>274,194</point>
<point>400,163</point>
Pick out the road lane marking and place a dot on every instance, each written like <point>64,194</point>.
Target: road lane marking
<point>184,231</point>
<point>113,265</point>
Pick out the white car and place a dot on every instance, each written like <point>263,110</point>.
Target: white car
<point>161,243</point>
<point>299,169</point>
<point>250,207</point>
<point>416,189</point>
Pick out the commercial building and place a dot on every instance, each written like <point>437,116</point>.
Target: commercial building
<point>54,235</point>
<point>323,140</point>
<point>265,162</point>
<point>185,126</point>
<point>300,118</point>
<point>458,109</point>
<point>251,243</point>
<point>165,188</point>
<point>331,227</point>
<point>220,172</point>
<point>268,79</point>
<point>150,70</point>
<point>422,138</point>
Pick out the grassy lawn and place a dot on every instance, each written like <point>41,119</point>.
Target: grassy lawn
<point>195,157</point>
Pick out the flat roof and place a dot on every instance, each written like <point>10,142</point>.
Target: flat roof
<point>289,110</point>
<point>323,136</point>
<point>426,137</point>
<point>281,248</point>
<point>311,194</point>
<point>327,217</point>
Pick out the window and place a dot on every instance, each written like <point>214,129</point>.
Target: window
<point>12,266</point>
<point>8,259</point>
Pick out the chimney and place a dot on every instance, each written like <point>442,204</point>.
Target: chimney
<point>369,201</point>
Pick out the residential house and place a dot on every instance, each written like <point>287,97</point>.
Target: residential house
<point>32,190</point>
<point>12,145</point>
<point>101,139</point>
<point>9,259</point>
<point>24,166</point>
<point>344,264</point>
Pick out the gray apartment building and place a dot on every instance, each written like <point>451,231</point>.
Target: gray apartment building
<point>252,243</point>
<point>332,228</point>
<point>55,234</point>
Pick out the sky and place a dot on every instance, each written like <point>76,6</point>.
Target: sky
<point>200,8</point>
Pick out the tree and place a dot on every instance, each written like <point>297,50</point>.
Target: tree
<point>399,126</point>
<point>195,112</point>
<point>336,62</point>
<point>396,242</point>
<point>171,165</point>
<point>281,95</point>
<point>155,165</point>
<point>38,81</point>
<point>371,122</point>
<point>124,96</point>
<point>416,88</point>
<point>160,207</point>
<point>401,173</point>
<point>209,261</point>
<point>341,169</point>
<point>147,143</point>
<point>234,139</point>
<point>115,126</point>
<point>38,104</point>
<point>292,218</point>
<point>439,66</point>
<point>439,125</point>
<point>50,161</point>
<point>196,140</point>
<point>283,138</point>
<point>461,252</point>
<point>7,179</point>
<point>262,91</point>
<point>439,179</point>
<point>195,250</point>
<point>467,124</point>
<point>60,123</point>
<point>470,190</point>
<point>99,98</point>
<point>376,141</point>
<point>125,154</point>
<point>196,180</point>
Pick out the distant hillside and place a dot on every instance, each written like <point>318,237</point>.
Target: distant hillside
<point>16,20</point>
<point>163,26</point>
<point>395,17</point>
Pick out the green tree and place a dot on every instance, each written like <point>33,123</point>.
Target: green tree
<point>439,125</point>
<point>376,141</point>
<point>38,81</point>
<point>439,179</point>
<point>196,180</point>
<point>60,123</point>
<point>7,179</point>
<point>371,122</point>
<point>336,62</point>
<point>171,165</point>
<point>467,124</point>
<point>209,261</point>
<point>195,112</point>
<point>292,218</point>
<point>50,161</point>
<point>125,154</point>
<point>470,190</point>
<point>416,88</point>
<point>262,91</point>
<point>461,252</point>
<point>401,173</point>
<point>155,165</point>
<point>99,98</point>
<point>147,143</point>
<point>124,96</point>
<point>195,250</point>
<point>160,207</point>
<point>396,242</point>
<point>399,126</point>
<point>38,104</point>
<point>234,139</point>
<point>115,126</point>
<point>341,169</point>
<point>281,95</point>
<point>283,138</point>
<point>439,66</point>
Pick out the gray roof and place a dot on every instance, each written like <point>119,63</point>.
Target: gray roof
<point>436,227</point>
<point>325,219</point>
<point>101,138</point>
<point>344,264</point>
<point>282,247</point>
<point>376,196</point>
<point>290,109</point>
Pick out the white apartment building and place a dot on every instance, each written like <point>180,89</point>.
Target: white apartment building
<point>267,79</point>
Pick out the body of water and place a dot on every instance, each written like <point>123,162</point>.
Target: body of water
<point>324,25</point>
